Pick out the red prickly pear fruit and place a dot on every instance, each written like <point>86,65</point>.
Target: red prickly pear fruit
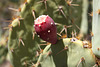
<point>46,28</point>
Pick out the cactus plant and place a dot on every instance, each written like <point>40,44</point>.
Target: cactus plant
<point>84,22</point>
<point>68,52</point>
<point>95,28</point>
<point>21,44</point>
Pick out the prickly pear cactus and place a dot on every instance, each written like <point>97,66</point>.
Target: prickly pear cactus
<point>22,46</point>
<point>61,11</point>
<point>68,52</point>
<point>95,28</point>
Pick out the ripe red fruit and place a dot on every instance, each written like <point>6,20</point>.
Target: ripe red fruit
<point>46,28</point>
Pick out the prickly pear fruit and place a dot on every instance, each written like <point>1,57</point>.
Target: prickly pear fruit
<point>46,28</point>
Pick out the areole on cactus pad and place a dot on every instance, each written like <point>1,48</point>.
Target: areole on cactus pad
<point>46,28</point>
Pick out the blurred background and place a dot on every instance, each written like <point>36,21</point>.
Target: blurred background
<point>6,16</point>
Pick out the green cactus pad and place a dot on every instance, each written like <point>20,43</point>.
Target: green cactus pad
<point>96,28</point>
<point>68,52</point>
<point>22,47</point>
